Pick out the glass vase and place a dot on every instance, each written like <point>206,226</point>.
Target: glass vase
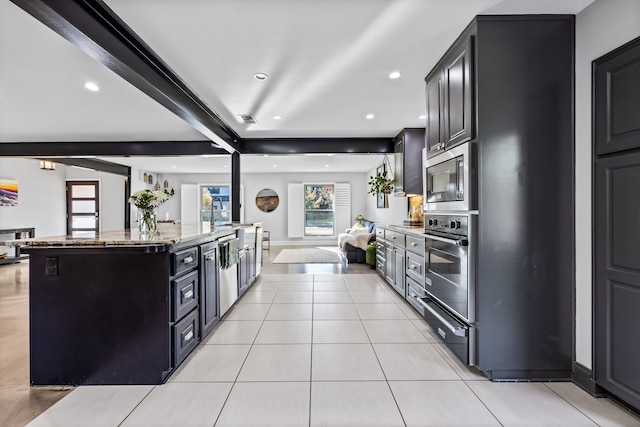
<point>147,221</point>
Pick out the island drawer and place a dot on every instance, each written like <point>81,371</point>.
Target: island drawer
<point>184,260</point>
<point>394,237</point>
<point>415,244</point>
<point>185,337</point>
<point>380,232</point>
<point>185,295</point>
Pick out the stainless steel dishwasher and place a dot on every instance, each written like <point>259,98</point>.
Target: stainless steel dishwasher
<point>228,273</point>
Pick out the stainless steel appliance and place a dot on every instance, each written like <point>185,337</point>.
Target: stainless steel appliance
<point>449,303</point>
<point>449,180</point>
<point>228,273</point>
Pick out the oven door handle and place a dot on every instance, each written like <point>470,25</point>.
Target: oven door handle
<point>458,242</point>
<point>456,330</point>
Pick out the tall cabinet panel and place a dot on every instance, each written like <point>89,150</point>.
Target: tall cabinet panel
<point>616,227</point>
<point>525,262</point>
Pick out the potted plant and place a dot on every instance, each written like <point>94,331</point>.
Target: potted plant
<point>380,183</point>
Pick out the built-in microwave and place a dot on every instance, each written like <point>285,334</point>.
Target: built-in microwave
<point>449,180</point>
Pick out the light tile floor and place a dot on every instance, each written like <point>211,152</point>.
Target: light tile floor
<point>357,356</point>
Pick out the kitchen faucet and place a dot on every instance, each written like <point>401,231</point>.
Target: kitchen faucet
<point>213,210</point>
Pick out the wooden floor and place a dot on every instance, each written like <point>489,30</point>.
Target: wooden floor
<point>20,403</point>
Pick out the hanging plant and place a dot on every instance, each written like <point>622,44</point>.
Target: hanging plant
<point>381,183</point>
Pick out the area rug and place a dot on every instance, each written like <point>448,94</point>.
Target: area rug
<point>320,255</point>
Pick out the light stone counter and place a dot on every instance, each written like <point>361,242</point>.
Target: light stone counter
<point>169,234</point>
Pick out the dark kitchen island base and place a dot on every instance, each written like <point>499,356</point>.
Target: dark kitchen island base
<point>100,315</point>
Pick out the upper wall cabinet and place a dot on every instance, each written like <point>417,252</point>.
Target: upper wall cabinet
<point>450,102</point>
<point>617,100</point>
<point>408,162</point>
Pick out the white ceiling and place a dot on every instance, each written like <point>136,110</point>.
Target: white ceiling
<point>327,61</point>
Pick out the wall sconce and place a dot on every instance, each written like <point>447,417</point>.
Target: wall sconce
<point>47,165</point>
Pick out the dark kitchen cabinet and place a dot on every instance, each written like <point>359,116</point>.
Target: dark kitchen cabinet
<point>617,100</point>
<point>399,282</point>
<point>499,94</point>
<point>434,133</point>
<point>450,99</point>
<point>408,162</point>
<point>389,263</point>
<point>209,304</point>
<point>394,260</point>
<point>616,107</point>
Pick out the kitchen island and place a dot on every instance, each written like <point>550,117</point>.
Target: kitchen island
<point>119,308</point>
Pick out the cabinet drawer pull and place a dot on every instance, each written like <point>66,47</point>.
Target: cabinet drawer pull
<point>414,267</point>
<point>188,294</point>
<point>188,336</point>
<point>211,258</point>
<point>188,260</point>
<point>414,244</point>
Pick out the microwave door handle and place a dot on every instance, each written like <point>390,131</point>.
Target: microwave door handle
<point>461,332</point>
<point>459,242</point>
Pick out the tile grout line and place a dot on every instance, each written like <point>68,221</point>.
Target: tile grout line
<point>384,374</point>
<point>483,403</point>
<point>570,404</point>
<point>233,385</point>
<point>138,404</point>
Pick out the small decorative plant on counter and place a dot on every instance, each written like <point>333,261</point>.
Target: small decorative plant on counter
<point>147,202</point>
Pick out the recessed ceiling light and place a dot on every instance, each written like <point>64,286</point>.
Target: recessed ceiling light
<point>173,166</point>
<point>265,155</point>
<point>326,166</point>
<point>275,166</point>
<point>260,76</point>
<point>277,117</point>
<point>395,74</point>
<point>422,116</point>
<point>226,166</point>
<point>369,116</point>
<point>91,86</point>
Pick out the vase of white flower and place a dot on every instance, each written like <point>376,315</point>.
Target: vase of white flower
<point>147,221</point>
<point>147,202</point>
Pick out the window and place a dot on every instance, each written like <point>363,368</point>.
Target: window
<point>319,210</point>
<point>218,196</point>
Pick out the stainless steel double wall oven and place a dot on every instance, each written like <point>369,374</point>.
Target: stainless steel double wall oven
<point>451,219</point>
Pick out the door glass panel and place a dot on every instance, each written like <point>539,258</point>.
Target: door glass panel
<point>83,222</point>
<point>83,206</point>
<point>79,191</point>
